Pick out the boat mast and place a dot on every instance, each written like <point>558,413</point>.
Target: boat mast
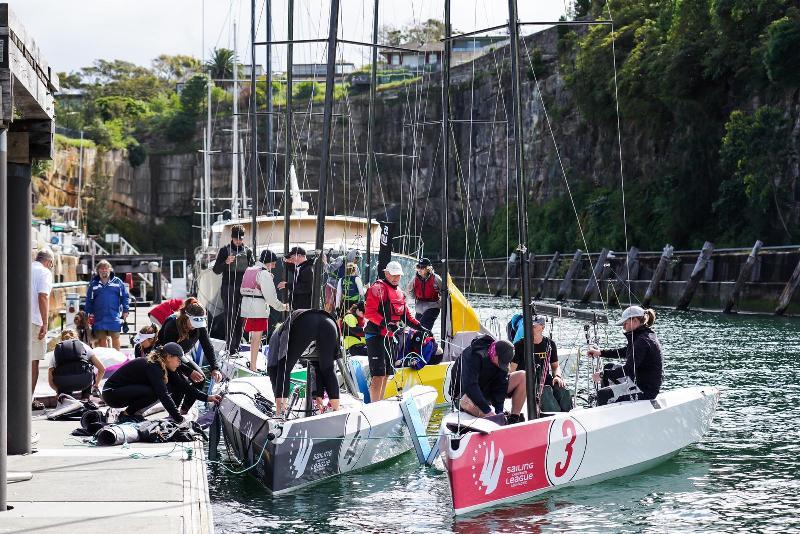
<point>445,298</point>
<point>235,128</point>
<point>531,376</point>
<point>327,116</point>
<point>269,148</point>
<point>287,208</point>
<point>253,131</point>
<point>373,80</point>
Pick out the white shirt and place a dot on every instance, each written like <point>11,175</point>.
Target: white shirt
<point>41,282</point>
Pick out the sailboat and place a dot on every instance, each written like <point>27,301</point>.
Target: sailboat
<point>489,464</point>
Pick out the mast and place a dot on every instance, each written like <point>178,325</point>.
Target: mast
<point>531,377</point>
<point>253,131</point>
<point>327,117</point>
<point>269,148</point>
<point>445,162</point>
<point>287,207</point>
<point>373,80</point>
<point>235,128</point>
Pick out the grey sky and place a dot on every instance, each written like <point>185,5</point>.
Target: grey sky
<point>73,33</point>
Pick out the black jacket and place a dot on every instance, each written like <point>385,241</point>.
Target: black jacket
<point>169,332</point>
<point>300,284</point>
<point>139,371</point>
<point>233,273</point>
<point>475,376</point>
<point>643,361</point>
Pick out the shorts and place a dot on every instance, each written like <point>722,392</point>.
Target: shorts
<point>107,333</point>
<point>254,324</point>
<point>38,346</point>
<point>378,352</point>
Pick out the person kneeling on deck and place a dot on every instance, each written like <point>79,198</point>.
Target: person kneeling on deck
<point>554,395</point>
<point>71,367</point>
<point>481,380</point>
<point>145,340</point>
<point>143,381</point>
<point>641,376</point>
<point>353,324</point>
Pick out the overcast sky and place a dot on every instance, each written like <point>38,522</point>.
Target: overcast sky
<point>73,33</point>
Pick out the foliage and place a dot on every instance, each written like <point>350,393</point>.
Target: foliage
<point>781,59</point>
<point>63,140</point>
<point>306,90</point>
<point>398,83</point>
<point>137,154</point>
<point>428,31</point>
<point>170,238</point>
<point>220,66</point>
<point>41,211</point>
<point>175,68</point>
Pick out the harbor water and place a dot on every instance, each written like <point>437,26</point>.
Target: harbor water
<point>743,475</point>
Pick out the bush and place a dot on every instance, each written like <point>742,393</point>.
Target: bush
<point>781,58</point>
<point>306,90</point>
<point>137,154</point>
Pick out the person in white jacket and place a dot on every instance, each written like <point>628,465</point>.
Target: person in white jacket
<point>258,295</point>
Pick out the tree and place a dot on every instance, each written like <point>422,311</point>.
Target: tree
<point>780,51</point>
<point>220,66</point>
<point>390,35</point>
<point>117,77</point>
<point>425,32</point>
<point>175,68</point>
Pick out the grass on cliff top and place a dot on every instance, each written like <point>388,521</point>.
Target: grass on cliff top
<point>397,84</point>
<point>64,141</point>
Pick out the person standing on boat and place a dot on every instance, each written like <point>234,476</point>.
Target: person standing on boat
<point>299,283</point>
<point>425,287</point>
<point>107,305</point>
<point>481,380</point>
<point>232,261</point>
<point>41,285</point>
<point>353,324</point>
<point>74,367</point>
<point>384,308</point>
<point>258,296</point>
<point>350,289</point>
<point>554,396</point>
<point>643,360</point>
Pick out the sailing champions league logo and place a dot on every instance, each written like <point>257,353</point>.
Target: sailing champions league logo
<point>492,467</point>
<point>301,448</point>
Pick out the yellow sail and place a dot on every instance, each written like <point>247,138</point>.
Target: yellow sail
<point>462,317</point>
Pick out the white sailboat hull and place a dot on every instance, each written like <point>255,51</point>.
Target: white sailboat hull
<point>492,465</point>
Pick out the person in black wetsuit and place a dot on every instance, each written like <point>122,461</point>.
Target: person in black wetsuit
<point>232,261</point>
<point>299,281</point>
<point>643,360</point>
<point>145,340</point>
<point>143,381</point>
<point>308,334</point>
<point>187,328</point>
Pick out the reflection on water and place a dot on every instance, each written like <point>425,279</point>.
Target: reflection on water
<point>744,475</point>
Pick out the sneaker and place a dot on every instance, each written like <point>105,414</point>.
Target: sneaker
<point>513,418</point>
<point>125,418</point>
<point>37,405</point>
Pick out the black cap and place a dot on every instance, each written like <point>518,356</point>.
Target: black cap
<point>173,349</point>
<point>267,256</point>
<point>505,353</point>
<point>424,262</point>
<point>237,232</point>
<point>295,250</point>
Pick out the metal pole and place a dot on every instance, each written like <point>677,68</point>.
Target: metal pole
<point>80,181</point>
<point>3,317</point>
<point>531,376</point>
<point>287,203</point>
<point>448,47</point>
<point>235,128</point>
<point>373,80</point>
<point>270,149</point>
<point>253,132</point>
<point>327,117</point>
<point>19,324</point>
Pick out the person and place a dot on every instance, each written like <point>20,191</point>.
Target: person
<point>232,261</point>
<point>41,285</point>
<point>74,367</point>
<point>159,314</point>
<point>258,296</point>
<point>482,380</point>
<point>350,289</point>
<point>145,340</point>
<point>82,328</point>
<point>299,281</point>
<point>311,334</point>
<point>425,287</point>
<point>143,381</point>
<point>107,305</point>
<point>384,307</point>
<point>187,328</point>
<point>643,359</point>
<point>334,269</point>
<point>554,394</point>
<point>353,324</point>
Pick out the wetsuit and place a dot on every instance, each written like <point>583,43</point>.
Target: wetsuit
<point>169,332</point>
<point>643,364</point>
<point>300,285</point>
<point>229,290</point>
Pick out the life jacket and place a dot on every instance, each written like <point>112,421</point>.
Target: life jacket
<point>71,358</point>
<point>353,335</point>
<point>391,305</point>
<point>426,290</point>
<point>250,286</point>
<point>350,293</point>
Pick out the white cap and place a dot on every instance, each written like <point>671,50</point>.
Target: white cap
<point>198,321</point>
<point>632,311</point>
<point>142,337</point>
<point>393,268</point>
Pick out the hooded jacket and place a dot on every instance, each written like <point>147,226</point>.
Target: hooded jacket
<point>300,285</point>
<point>232,274</point>
<point>475,376</point>
<point>643,361</point>
<point>107,302</point>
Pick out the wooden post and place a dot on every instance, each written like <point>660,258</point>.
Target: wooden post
<point>788,291</point>
<point>658,275</point>
<point>548,274</point>
<point>596,276</point>
<point>563,289</point>
<point>697,273</point>
<point>629,271</point>
<point>744,275</point>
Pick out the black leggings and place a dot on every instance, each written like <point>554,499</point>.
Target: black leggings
<point>133,397</point>
<point>71,383</point>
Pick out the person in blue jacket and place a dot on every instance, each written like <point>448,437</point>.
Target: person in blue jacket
<point>107,305</point>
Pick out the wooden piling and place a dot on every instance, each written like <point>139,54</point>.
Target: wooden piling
<point>658,275</point>
<point>629,271</point>
<point>563,289</point>
<point>744,276</point>
<point>548,274</point>
<point>788,291</point>
<point>697,274</point>
<point>596,276</point>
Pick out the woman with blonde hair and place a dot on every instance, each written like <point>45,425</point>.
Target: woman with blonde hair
<point>74,367</point>
<point>350,289</point>
<point>187,328</point>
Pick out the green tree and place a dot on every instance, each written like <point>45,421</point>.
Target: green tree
<point>781,58</point>
<point>220,66</point>
<point>175,68</point>
<point>121,78</point>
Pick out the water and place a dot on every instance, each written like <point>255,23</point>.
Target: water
<point>743,475</point>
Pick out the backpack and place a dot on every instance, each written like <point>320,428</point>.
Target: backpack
<point>71,358</point>
<point>413,349</point>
